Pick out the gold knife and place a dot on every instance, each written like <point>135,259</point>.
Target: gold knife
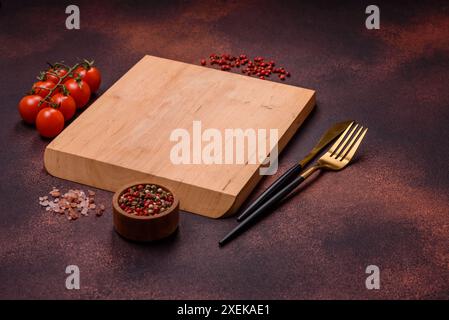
<point>331,134</point>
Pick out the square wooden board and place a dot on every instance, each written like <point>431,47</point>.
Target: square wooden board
<point>124,135</point>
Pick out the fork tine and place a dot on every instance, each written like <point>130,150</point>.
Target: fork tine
<point>356,145</point>
<point>340,139</point>
<point>344,151</point>
<point>345,142</point>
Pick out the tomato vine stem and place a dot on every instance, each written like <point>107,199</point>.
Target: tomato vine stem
<point>58,65</point>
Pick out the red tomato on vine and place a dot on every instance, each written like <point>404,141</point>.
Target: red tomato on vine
<point>91,75</point>
<point>65,104</point>
<point>29,108</point>
<point>42,88</point>
<point>49,122</point>
<point>54,75</point>
<point>79,91</point>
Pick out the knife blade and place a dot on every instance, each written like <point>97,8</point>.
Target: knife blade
<point>330,135</point>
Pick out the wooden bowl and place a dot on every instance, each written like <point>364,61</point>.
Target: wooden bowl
<point>145,228</point>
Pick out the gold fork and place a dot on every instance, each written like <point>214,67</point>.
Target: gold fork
<point>340,154</point>
<point>336,158</point>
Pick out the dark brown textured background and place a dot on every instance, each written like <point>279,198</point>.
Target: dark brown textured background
<point>390,208</point>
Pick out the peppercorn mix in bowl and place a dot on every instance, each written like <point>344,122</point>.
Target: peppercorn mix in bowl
<point>145,211</point>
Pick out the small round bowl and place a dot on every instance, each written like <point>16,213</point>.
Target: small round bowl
<point>145,228</point>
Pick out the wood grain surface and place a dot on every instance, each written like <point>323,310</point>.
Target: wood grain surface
<point>125,135</point>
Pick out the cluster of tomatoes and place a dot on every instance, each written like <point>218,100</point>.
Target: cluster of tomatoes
<point>59,93</point>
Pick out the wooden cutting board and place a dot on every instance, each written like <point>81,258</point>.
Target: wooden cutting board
<point>124,135</point>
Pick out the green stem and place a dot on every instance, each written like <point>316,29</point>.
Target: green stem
<point>69,71</point>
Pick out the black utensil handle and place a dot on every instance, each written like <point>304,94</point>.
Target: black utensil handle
<point>277,185</point>
<point>264,208</point>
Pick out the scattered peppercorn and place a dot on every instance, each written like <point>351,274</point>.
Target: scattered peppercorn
<point>258,66</point>
<point>145,200</point>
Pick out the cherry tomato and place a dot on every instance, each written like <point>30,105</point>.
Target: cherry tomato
<point>91,75</point>
<point>42,88</point>
<point>54,75</point>
<point>66,104</point>
<point>70,76</point>
<point>29,108</point>
<point>49,122</point>
<point>80,92</point>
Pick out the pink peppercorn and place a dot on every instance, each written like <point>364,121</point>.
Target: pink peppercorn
<point>258,66</point>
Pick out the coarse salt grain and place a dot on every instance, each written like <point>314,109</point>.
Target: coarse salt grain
<point>72,203</point>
